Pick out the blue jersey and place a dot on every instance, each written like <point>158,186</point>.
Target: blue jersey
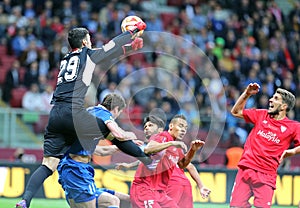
<point>77,178</point>
<point>100,112</point>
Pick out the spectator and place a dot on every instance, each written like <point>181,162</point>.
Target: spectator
<point>48,34</point>
<point>48,9</point>
<point>55,55</point>
<point>19,42</point>
<point>46,97</point>
<point>21,156</point>
<point>12,80</point>
<point>28,9</point>
<point>83,15</point>
<point>112,88</point>
<point>31,74</point>
<point>154,23</point>
<point>56,25</point>
<point>190,112</point>
<point>199,20</point>
<point>32,99</point>
<point>30,54</point>
<point>66,13</point>
<point>44,63</point>
<point>3,24</point>
<point>18,154</point>
<point>233,152</point>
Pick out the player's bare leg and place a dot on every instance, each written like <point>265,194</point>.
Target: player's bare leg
<point>108,200</point>
<point>51,162</point>
<point>89,204</point>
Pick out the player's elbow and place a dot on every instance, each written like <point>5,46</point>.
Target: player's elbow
<point>182,164</point>
<point>148,150</point>
<point>236,113</point>
<point>233,112</point>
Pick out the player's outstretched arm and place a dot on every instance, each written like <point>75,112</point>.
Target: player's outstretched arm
<point>125,166</point>
<point>119,45</point>
<point>237,109</point>
<point>154,147</point>
<point>119,133</point>
<point>195,176</point>
<point>130,148</point>
<point>195,145</point>
<point>105,150</point>
<point>289,153</point>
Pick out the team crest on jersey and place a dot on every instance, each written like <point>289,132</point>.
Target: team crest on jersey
<point>283,128</point>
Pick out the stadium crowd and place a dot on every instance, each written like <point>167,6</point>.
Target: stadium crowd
<point>243,41</point>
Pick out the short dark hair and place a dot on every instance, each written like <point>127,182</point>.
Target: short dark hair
<point>287,97</point>
<point>76,35</point>
<point>156,120</point>
<point>178,116</point>
<point>113,100</point>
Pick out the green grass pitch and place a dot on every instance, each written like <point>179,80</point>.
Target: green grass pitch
<point>61,203</point>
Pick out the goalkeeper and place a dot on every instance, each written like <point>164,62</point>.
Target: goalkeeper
<point>68,118</point>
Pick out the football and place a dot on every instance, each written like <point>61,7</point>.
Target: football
<point>129,22</point>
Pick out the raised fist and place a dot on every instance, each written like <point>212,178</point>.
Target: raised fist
<point>137,43</point>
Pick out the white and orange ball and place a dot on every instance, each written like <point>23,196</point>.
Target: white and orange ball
<point>129,22</point>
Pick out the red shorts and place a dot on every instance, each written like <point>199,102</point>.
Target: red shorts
<point>249,182</point>
<point>181,194</point>
<point>143,197</point>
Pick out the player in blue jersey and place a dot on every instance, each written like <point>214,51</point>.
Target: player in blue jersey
<point>68,119</point>
<point>76,175</point>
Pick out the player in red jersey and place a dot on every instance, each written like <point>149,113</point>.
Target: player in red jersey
<point>271,135</point>
<point>178,181</point>
<point>150,182</point>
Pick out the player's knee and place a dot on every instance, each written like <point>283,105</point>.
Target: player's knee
<point>51,162</point>
<point>107,199</point>
<point>114,201</point>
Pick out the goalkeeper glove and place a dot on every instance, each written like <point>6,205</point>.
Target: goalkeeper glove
<point>139,26</point>
<point>136,44</point>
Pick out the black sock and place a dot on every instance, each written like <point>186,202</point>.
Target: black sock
<point>130,148</point>
<point>36,180</point>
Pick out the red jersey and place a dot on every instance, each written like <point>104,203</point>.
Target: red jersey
<point>178,177</point>
<point>267,140</point>
<point>157,178</point>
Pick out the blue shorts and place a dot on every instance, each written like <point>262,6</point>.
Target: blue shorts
<point>77,180</point>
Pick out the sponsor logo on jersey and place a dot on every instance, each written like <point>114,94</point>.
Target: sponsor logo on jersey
<point>174,159</point>
<point>270,136</point>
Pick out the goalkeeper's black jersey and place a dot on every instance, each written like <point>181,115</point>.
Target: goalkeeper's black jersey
<point>77,67</point>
